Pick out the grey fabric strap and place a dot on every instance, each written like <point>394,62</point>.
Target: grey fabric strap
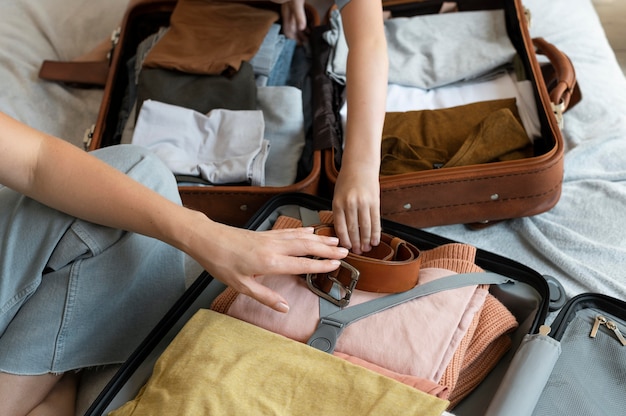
<point>328,308</point>
<point>331,326</point>
<point>309,217</point>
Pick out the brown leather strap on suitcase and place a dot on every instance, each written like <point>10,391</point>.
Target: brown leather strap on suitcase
<point>559,76</point>
<point>84,74</point>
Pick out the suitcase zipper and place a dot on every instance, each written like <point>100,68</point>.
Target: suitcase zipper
<point>602,320</point>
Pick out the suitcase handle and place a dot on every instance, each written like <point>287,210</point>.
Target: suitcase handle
<point>77,74</point>
<point>559,76</point>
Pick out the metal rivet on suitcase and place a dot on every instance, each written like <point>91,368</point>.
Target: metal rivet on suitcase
<point>243,207</point>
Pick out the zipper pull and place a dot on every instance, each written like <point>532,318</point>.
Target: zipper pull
<point>613,327</point>
<point>600,320</point>
<point>544,330</point>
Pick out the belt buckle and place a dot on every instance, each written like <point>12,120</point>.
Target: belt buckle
<point>346,290</point>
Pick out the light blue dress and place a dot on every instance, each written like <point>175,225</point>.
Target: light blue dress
<point>74,294</point>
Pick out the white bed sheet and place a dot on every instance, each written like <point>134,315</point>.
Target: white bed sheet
<point>581,241</point>
<point>34,30</point>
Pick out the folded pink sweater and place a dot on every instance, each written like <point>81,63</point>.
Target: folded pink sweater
<point>417,338</point>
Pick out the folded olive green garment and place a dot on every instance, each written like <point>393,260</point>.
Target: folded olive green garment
<point>481,132</point>
<point>201,93</point>
<point>219,365</point>
<point>494,139</point>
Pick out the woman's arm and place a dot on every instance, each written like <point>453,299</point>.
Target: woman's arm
<point>66,178</point>
<point>356,200</point>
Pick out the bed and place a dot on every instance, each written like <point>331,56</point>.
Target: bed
<point>581,241</point>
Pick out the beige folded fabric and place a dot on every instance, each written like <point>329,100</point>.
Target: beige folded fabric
<point>208,37</point>
<point>218,365</point>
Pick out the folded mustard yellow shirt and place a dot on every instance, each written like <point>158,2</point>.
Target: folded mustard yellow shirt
<point>219,365</point>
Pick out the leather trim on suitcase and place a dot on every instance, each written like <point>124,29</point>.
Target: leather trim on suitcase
<point>232,205</point>
<point>476,194</point>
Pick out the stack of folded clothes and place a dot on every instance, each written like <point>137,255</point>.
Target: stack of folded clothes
<point>443,344</point>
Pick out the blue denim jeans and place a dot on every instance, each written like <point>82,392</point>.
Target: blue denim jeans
<point>74,294</point>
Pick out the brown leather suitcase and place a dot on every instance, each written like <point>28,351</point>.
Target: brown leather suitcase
<point>476,194</point>
<point>230,204</point>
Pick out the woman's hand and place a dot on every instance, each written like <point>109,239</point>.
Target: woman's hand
<point>237,256</point>
<point>356,206</point>
<point>294,22</point>
<point>39,165</point>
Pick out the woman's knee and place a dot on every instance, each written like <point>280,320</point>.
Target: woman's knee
<point>142,165</point>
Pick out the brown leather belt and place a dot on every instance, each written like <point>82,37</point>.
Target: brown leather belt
<point>391,267</point>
